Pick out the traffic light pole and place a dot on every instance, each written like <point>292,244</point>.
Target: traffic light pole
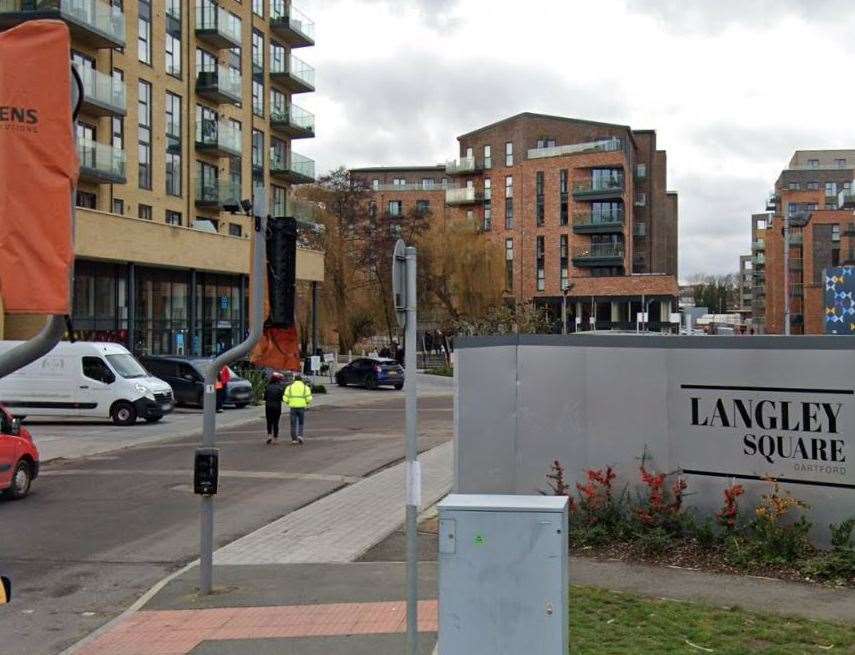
<point>412,453</point>
<point>209,419</point>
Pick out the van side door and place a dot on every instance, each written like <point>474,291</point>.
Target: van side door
<point>94,397</point>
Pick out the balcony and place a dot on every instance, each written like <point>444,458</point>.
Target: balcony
<point>796,264</point>
<point>846,199</point>
<point>101,163</point>
<point>291,25</point>
<point>215,194</point>
<point>590,223</point>
<point>294,75</point>
<point>414,186</point>
<point>215,26</point>
<point>218,137</point>
<point>602,190</point>
<point>758,291</point>
<point>294,122</point>
<point>759,245</point>
<point>94,23</point>
<point>797,239</point>
<point>603,145</point>
<point>463,166</point>
<point>797,290</point>
<point>463,196</point>
<point>102,94</point>
<point>291,167</point>
<point>599,254</point>
<point>759,259</point>
<point>222,86</point>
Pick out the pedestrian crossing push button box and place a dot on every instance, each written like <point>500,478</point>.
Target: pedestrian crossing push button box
<point>503,581</point>
<point>206,471</point>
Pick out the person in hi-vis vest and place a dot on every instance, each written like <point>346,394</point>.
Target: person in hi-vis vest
<point>298,397</point>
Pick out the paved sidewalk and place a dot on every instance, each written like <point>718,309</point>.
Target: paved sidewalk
<point>342,526</point>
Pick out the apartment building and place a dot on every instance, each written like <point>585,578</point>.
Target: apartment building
<point>580,207</point>
<point>813,198</point>
<point>188,106</point>
<point>745,283</point>
<point>396,191</point>
<point>759,222</point>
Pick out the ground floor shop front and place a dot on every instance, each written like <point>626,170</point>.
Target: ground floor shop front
<point>611,313</point>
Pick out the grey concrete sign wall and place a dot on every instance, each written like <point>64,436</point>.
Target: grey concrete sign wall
<point>718,409</point>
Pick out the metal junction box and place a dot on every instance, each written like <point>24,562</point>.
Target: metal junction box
<point>503,582</point>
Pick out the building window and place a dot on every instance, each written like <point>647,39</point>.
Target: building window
<point>794,186</point>
<point>118,206</point>
<point>258,98</point>
<point>205,61</point>
<point>546,143</point>
<point>813,163</point>
<point>488,204</point>
<point>144,212</point>
<point>488,157</point>
<point>258,150</point>
<point>277,58</point>
<point>564,196</point>
<point>278,104</point>
<point>396,208</point>
<point>372,209</point>
<point>257,52</point>
<point>258,7</point>
<point>841,163</point>
<point>606,179</point>
<point>509,264</point>
<point>173,218</point>
<point>118,121</point>
<point>278,201</point>
<point>564,256</point>
<point>835,233</point>
<point>375,184</point>
<point>144,32</point>
<point>144,135</point>
<point>422,206</point>
<point>539,201</point>
<point>173,9</point>
<point>813,186</point>
<point>641,171</point>
<point>831,189</point>
<point>509,202</point>
<point>173,55</point>
<point>427,183</point>
<point>509,154</point>
<point>540,263</point>
<point>173,144</point>
<point>235,230</point>
<point>87,200</point>
<point>399,181</point>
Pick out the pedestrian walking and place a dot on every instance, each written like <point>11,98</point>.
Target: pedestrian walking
<point>223,377</point>
<point>298,397</point>
<point>273,396</point>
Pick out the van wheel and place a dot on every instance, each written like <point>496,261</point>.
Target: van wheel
<point>21,481</point>
<point>124,413</point>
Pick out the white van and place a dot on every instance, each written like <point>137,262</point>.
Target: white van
<point>85,379</point>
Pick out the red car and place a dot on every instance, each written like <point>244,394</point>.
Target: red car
<point>19,457</point>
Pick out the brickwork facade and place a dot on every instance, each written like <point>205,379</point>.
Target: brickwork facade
<point>188,108</point>
<point>580,207</point>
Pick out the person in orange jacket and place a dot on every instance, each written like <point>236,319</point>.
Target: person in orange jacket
<point>223,377</point>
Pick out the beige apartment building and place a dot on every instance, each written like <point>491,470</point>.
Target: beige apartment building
<point>189,105</point>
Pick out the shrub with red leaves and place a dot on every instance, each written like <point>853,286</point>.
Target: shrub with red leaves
<point>726,518</point>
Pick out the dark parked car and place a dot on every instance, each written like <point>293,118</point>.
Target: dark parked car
<point>186,377</point>
<point>371,373</point>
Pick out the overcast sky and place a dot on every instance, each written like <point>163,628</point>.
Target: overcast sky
<point>731,87</point>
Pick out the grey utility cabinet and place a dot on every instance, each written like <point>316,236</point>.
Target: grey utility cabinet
<point>503,583</point>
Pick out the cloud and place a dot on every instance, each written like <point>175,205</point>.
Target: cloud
<point>764,143</point>
<point>711,16</point>
<point>411,111</point>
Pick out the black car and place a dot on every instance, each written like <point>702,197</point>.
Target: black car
<point>186,377</point>
<point>371,372</point>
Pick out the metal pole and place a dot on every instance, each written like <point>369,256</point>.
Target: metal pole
<point>564,313</point>
<point>209,417</point>
<point>412,453</point>
<point>786,275</point>
<point>314,317</point>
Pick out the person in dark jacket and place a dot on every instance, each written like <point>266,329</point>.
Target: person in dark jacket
<point>273,406</point>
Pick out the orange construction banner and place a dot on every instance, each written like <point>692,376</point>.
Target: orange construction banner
<point>38,168</point>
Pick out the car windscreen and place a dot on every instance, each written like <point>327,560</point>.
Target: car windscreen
<point>127,366</point>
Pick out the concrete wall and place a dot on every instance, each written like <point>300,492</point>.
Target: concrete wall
<point>595,401</point>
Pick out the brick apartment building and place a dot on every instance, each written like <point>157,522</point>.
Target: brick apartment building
<point>580,207</point>
<point>187,108</point>
<point>814,194</point>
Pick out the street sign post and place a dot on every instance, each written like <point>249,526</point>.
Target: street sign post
<point>404,298</point>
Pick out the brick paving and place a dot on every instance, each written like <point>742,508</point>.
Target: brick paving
<point>177,632</point>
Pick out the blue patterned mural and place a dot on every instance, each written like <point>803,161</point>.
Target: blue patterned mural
<point>840,300</point>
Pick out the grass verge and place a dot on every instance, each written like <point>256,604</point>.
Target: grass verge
<point>612,623</point>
